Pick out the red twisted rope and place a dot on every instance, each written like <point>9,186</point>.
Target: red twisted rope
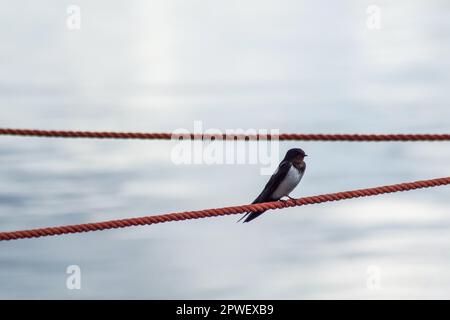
<point>96,226</point>
<point>168,136</point>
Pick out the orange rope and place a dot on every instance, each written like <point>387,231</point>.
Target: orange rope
<point>168,136</point>
<point>43,232</point>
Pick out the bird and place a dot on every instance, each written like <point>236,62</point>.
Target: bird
<point>287,176</point>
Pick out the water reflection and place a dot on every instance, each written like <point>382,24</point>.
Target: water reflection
<point>159,65</point>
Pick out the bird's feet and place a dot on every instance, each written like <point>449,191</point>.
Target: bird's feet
<point>290,198</point>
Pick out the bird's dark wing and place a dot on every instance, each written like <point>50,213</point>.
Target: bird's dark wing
<point>271,186</point>
<point>274,182</point>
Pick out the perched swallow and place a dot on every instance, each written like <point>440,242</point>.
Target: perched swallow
<point>282,182</point>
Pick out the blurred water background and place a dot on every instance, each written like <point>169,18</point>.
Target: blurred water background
<point>159,65</point>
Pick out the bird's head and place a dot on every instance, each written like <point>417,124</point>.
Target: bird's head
<point>296,155</point>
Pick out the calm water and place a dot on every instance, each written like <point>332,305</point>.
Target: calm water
<point>297,66</point>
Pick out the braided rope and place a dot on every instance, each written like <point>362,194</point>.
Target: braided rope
<point>178,216</point>
<point>169,136</point>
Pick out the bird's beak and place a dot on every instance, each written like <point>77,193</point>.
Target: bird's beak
<point>306,155</point>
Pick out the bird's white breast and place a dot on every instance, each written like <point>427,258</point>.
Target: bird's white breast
<point>289,183</point>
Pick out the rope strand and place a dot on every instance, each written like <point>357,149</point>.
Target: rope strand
<point>178,216</point>
<point>169,136</point>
